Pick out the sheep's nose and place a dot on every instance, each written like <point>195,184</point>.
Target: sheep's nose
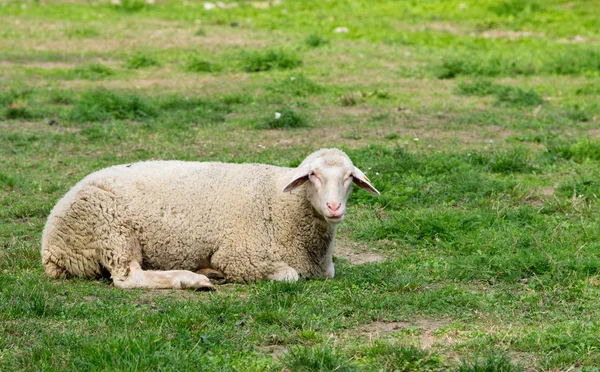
<point>333,207</point>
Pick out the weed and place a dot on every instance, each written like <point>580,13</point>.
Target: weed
<point>580,151</point>
<point>17,110</point>
<point>130,6</point>
<point>83,33</point>
<point>515,96</point>
<point>178,110</point>
<point>316,358</point>
<point>398,357</point>
<point>103,105</point>
<point>515,160</point>
<point>200,32</point>
<point>94,71</point>
<point>477,87</point>
<point>61,97</point>
<point>315,41</point>
<point>13,95</point>
<point>568,61</point>
<point>284,118</point>
<point>505,95</point>
<point>196,64</point>
<point>350,99</point>
<point>588,89</point>
<point>257,61</point>
<point>515,7</point>
<point>493,363</point>
<point>141,60</point>
<point>15,103</point>
<point>469,64</point>
<point>296,85</point>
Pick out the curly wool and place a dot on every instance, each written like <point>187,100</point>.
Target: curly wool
<point>169,215</point>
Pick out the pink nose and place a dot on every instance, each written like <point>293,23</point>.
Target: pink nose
<point>333,207</point>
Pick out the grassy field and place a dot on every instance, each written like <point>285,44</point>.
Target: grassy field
<point>477,120</point>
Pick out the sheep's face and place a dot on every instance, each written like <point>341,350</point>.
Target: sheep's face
<point>330,179</point>
<point>328,191</point>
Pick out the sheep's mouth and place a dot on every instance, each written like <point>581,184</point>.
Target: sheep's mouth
<point>335,219</point>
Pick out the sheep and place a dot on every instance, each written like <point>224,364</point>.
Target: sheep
<point>165,224</point>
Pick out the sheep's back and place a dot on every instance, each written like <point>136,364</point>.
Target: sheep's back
<point>182,212</point>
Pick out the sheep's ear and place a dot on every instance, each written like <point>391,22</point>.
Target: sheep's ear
<point>360,180</point>
<point>298,180</point>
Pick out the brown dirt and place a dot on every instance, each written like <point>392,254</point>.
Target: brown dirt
<point>132,36</point>
<point>276,351</point>
<point>46,65</point>
<point>426,338</point>
<point>355,252</point>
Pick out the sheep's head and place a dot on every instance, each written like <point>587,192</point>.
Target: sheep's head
<point>330,173</point>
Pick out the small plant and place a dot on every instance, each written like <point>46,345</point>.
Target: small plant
<point>505,95</point>
<point>200,32</point>
<point>195,64</point>
<point>515,96</point>
<point>17,110</point>
<point>576,113</point>
<point>141,61</point>
<point>316,358</point>
<point>580,151</point>
<point>296,85</point>
<point>61,97</point>
<point>102,105</point>
<point>315,41</point>
<point>398,357</point>
<point>130,6</point>
<point>588,89</point>
<point>284,118</point>
<point>94,71</point>
<point>477,87</point>
<point>15,102</point>
<point>350,99</point>
<point>493,363</point>
<point>83,33</point>
<point>514,7</point>
<point>257,61</point>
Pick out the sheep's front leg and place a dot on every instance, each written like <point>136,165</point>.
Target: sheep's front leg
<point>176,279</point>
<point>330,273</point>
<point>284,273</point>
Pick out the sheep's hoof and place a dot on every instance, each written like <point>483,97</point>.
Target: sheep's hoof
<point>202,284</point>
<point>285,274</point>
<point>215,276</point>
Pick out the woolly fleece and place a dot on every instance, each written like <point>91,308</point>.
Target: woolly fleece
<point>167,215</point>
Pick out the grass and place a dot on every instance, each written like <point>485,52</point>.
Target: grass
<point>283,118</point>
<point>476,120</point>
<point>258,61</point>
<point>505,95</point>
<point>141,61</point>
<point>196,64</point>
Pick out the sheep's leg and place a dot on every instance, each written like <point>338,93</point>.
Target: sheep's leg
<point>176,279</point>
<point>284,273</point>
<point>330,271</point>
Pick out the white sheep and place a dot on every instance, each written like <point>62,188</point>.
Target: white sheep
<point>158,224</point>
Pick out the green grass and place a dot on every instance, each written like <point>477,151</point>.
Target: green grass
<point>258,61</point>
<point>141,61</point>
<point>476,120</point>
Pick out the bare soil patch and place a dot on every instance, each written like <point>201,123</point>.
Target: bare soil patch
<point>355,252</point>
<point>425,327</point>
<point>276,351</point>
